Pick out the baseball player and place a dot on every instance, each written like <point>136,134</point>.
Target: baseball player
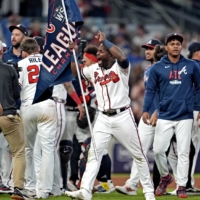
<point>146,132</point>
<point>194,54</point>
<point>13,54</point>
<point>173,78</point>
<point>110,78</point>
<point>81,145</point>
<point>38,118</point>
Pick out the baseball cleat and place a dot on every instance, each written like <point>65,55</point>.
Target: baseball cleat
<point>162,187</point>
<point>126,190</point>
<point>5,190</point>
<point>79,194</point>
<point>181,193</point>
<point>111,186</point>
<point>20,194</point>
<point>150,196</point>
<point>192,191</point>
<point>102,187</point>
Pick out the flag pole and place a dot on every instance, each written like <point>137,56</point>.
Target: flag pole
<point>79,78</point>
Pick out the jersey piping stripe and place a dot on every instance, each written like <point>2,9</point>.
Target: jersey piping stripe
<point>173,147</point>
<point>83,74</point>
<point>103,97</point>
<point>10,177</point>
<point>131,114</point>
<point>108,95</point>
<point>102,93</point>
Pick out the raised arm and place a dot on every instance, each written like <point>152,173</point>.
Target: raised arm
<point>114,50</point>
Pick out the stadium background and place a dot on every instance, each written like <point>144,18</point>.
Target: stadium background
<point>127,23</point>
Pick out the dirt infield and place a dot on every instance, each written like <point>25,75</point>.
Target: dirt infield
<point>120,180</point>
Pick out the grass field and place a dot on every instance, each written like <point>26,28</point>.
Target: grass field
<point>112,196</point>
<point>117,196</point>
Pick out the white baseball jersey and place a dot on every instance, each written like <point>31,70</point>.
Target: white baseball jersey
<point>29,76</point>
<point>59,92</point>
<point>109,95</point>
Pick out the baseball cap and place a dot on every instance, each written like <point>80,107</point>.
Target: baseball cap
<point>151,43</point>
<point>193,47</point>
<point>20,27</point>
<point>40,41</point>
<point>175,36</point>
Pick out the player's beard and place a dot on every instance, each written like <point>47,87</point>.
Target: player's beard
<point>107,64</point>
<point>17,45</point>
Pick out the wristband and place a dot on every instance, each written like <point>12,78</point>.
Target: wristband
<point>75,97</point>
<point>72,58</point>
<point>108,44</point>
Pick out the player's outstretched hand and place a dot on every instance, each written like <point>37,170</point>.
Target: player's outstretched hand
<point>146,118</point>
<point>100,36</point>
<point>81,111</point>
<point>153,119</point>
<point>198,117</point>
<point>72,46</point>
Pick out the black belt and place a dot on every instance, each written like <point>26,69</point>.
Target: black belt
<point>72,109</point>
<point>59,100</point>
<point>116,111</point>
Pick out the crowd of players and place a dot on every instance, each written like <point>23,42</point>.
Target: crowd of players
<point>56,149</point>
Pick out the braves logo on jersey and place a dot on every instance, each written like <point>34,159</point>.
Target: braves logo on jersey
<point>175,75</point>
<point>107,78</point>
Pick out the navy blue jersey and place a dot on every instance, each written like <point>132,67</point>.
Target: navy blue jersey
<point>174,83</point>
<point>9,57</point>
<point>155,104</point>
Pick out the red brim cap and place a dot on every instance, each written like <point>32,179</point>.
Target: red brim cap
<point>147,46</point>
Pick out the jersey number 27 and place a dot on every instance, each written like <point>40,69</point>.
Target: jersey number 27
<point>33,73</point>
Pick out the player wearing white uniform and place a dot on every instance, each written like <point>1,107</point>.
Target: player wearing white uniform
<point>110,78</point>
<point>38,118</point>
<point>146,132</point>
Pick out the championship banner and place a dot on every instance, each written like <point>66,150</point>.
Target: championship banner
<point>55,67</point>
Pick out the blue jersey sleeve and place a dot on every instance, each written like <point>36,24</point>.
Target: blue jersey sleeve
<point>124,64</point>
<point>196,80</point>
<point>150,89</point>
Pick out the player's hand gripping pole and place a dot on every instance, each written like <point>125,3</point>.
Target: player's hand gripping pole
<point>79,78</point>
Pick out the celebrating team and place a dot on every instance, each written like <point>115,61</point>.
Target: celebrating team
<point>172,83</point>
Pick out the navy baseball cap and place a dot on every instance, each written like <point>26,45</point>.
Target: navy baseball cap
<point>19,27</point>
<point>193,47</point>
<point>40,41</point>
<point>175,36</point>
<point>151,43</point>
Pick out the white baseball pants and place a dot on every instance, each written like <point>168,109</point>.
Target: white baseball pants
<point>173,156</point>
<point>146,133</point>
<point>61,121</point>
<point>40,118</point>
<point>5,162</point>
<point>123,127</point>
<point>163,134</point>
